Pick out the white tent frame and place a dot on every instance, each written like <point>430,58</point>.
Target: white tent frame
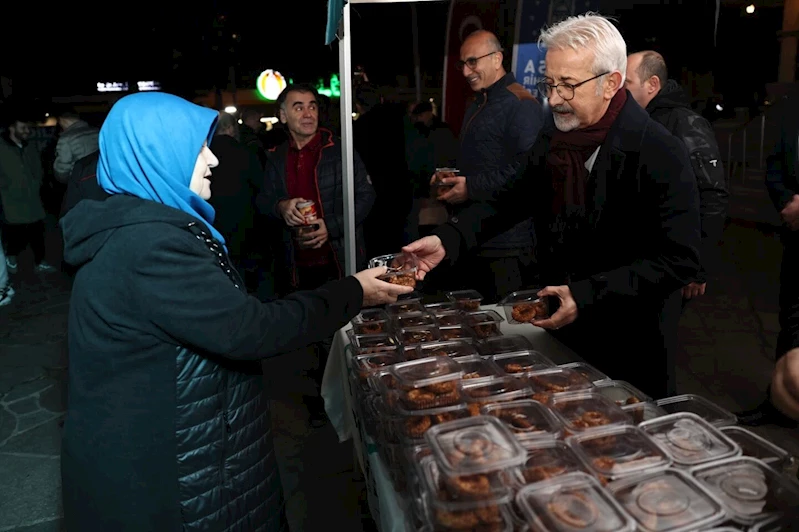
<point>347,166</point>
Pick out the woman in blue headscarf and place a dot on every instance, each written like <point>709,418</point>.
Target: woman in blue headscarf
<point>167,427</point>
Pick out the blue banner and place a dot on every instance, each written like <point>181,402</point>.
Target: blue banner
<point>531,17</point>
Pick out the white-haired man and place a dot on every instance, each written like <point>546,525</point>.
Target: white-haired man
<point>615,207</point>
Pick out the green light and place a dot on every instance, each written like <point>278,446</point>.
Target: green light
<point>333,91</point>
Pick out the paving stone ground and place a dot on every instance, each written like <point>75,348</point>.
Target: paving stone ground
<point>727,348</point>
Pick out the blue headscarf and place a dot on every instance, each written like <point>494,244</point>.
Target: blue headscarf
<point>149,144</point>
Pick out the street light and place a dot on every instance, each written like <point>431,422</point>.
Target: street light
<point>231,109</point>
<point>750,9</point>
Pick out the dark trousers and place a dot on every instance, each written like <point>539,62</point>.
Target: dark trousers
<point>20,236</point>
<point>788,337</point>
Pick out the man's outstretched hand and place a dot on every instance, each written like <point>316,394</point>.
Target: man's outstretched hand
<point>430,252</point>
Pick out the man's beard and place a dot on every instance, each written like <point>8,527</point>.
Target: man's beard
<point>565,122</point>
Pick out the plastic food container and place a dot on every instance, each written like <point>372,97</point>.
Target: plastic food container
<point>497,390</point>
<point>405,306</point>
<point>572,502</point>
<point>402,268</point>
<point>750,490</point>
<point>618,452</point>
<point>411,427</point>
<point>622,393</point>
<point>511,343</point>
<point>452,348</point>
<point>428,382</point>
<point>586,370</point>
<point>689,439</point>
<point>525,306</point>
<point>548,382</point>
<point>754,446</point>
<point>373,321</point>
<point>453,491</point>
<point>521,362</point>
<point>438,186</point>
<point>547,459</point>
<point>440,308</point>
<point>485,323</point>
<point>456,332</point>
<point>467,300</point>
<point>700,406</point>
<point>474,445</point>
<point>477,367</point>
<point>479,517</point>
<point>641,412</point>
<point>414,319</point>
<point>366,365</point>
<point>418,335</point>
<point>373,343</point>
<point>583,411</point>
<point>667,501</point>
<point>449,318</point>
<point>525,418</point>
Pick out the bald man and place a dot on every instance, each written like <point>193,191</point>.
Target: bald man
<point>499,127</point>
<point>666,102</point>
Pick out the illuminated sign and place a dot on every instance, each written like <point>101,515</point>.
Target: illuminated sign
<point>148,86</point>
<point>112,86</point>
<point>270,84</point>
<point>333,91</point>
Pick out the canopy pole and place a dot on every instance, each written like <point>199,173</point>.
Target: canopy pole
<point>347,167</point>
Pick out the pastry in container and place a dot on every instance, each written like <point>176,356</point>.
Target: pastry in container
<point>622,392</point>
<point>428,383</point>
<point>700,406</point>
<point>477,367</point>
<point>527,419</point>
<point>586,370</point>
<point>690,440</point>
<point>495,390</point>
<point>481,444</point>
<point>754,446</point>
<point>405,306</point>
<point>449,318</point>
<point>371,321</point>
<point>414,319</point>
<point>641,412</point>
<point>402,268</point>
<point>451,348</point>
<point>525,306</point>
<point>750,490</point>
<point>548,382</point>
<point>466,300</point>
<point>521,362</point>
<point>484,323</point>
<point>365,366</point>
<point>373,343</point>
<point>547,459</point>
<point>463,490</point>
<point>511,343</point>
<point>412,426</point>
<point>572,502</point>
<point>410,336</point>
<point>441,307</point>
<point>617,452</point>
<point>667,500</point>
<point>382,380</point>
<point>584,411</point>
<point>456,332</point>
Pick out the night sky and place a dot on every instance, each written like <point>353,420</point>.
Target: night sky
<point>62,50</point>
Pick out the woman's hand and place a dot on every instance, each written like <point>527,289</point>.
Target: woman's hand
<point>785,384</point>
<point>377,292</point>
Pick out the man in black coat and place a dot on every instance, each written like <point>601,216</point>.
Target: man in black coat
<point>615,207</point>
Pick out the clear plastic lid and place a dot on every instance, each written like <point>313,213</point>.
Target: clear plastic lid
<point>641,412</point>
<point>500,389</point>
<point>556,380</point>
<point>370,315</point>
<point>456,332</point>
<point>427,383</point>
<point>483,517</point>
<point>547,459</point>
<point>525,418</point>
<point>372,327</point>
<point>373,343</point>
<point>776,524</point>
<point>511,343</point>
<point>586,370</point>
<point>474,445</point>
<point>756,447</point>
<point>525,306</point>
<point>581,411</point>
<point>414,319</point>
<point>462,492</point>
<point>382,380</point>
<point>571,503</point>
<point>622,393</point>
<point>439,308</point>
<point>411,427</point>
<point>618,452</point>
<point>395,262</point>
<point>449,318</point>
<point>477,367</point>
<point>468,300</point>
<point>405,306</point>
<point>520,362</point>
<point>666,501</point>
<point>750,490</point>
<point>700,406</point>
<point>689,439</point>
<point>452,348</point>
<point>365,365</point>
<point>482,316</point>
<point>418,335</point>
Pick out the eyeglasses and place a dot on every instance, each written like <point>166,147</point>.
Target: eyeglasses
<point>564,90</point>
<point>472,61</point>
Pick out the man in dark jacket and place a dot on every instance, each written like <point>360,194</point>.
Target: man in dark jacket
<point>615,206</point>
<point>665,101</point>
<point>82,183</point>
<point>499,126</point>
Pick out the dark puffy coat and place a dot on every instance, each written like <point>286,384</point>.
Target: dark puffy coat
<point>167,425</point>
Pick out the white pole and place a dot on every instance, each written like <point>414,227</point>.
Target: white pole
<point>347,167</point>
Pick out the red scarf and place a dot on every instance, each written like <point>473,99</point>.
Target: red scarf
<point>568,153</point>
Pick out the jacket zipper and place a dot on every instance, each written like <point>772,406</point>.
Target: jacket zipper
<point>469,123</point>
